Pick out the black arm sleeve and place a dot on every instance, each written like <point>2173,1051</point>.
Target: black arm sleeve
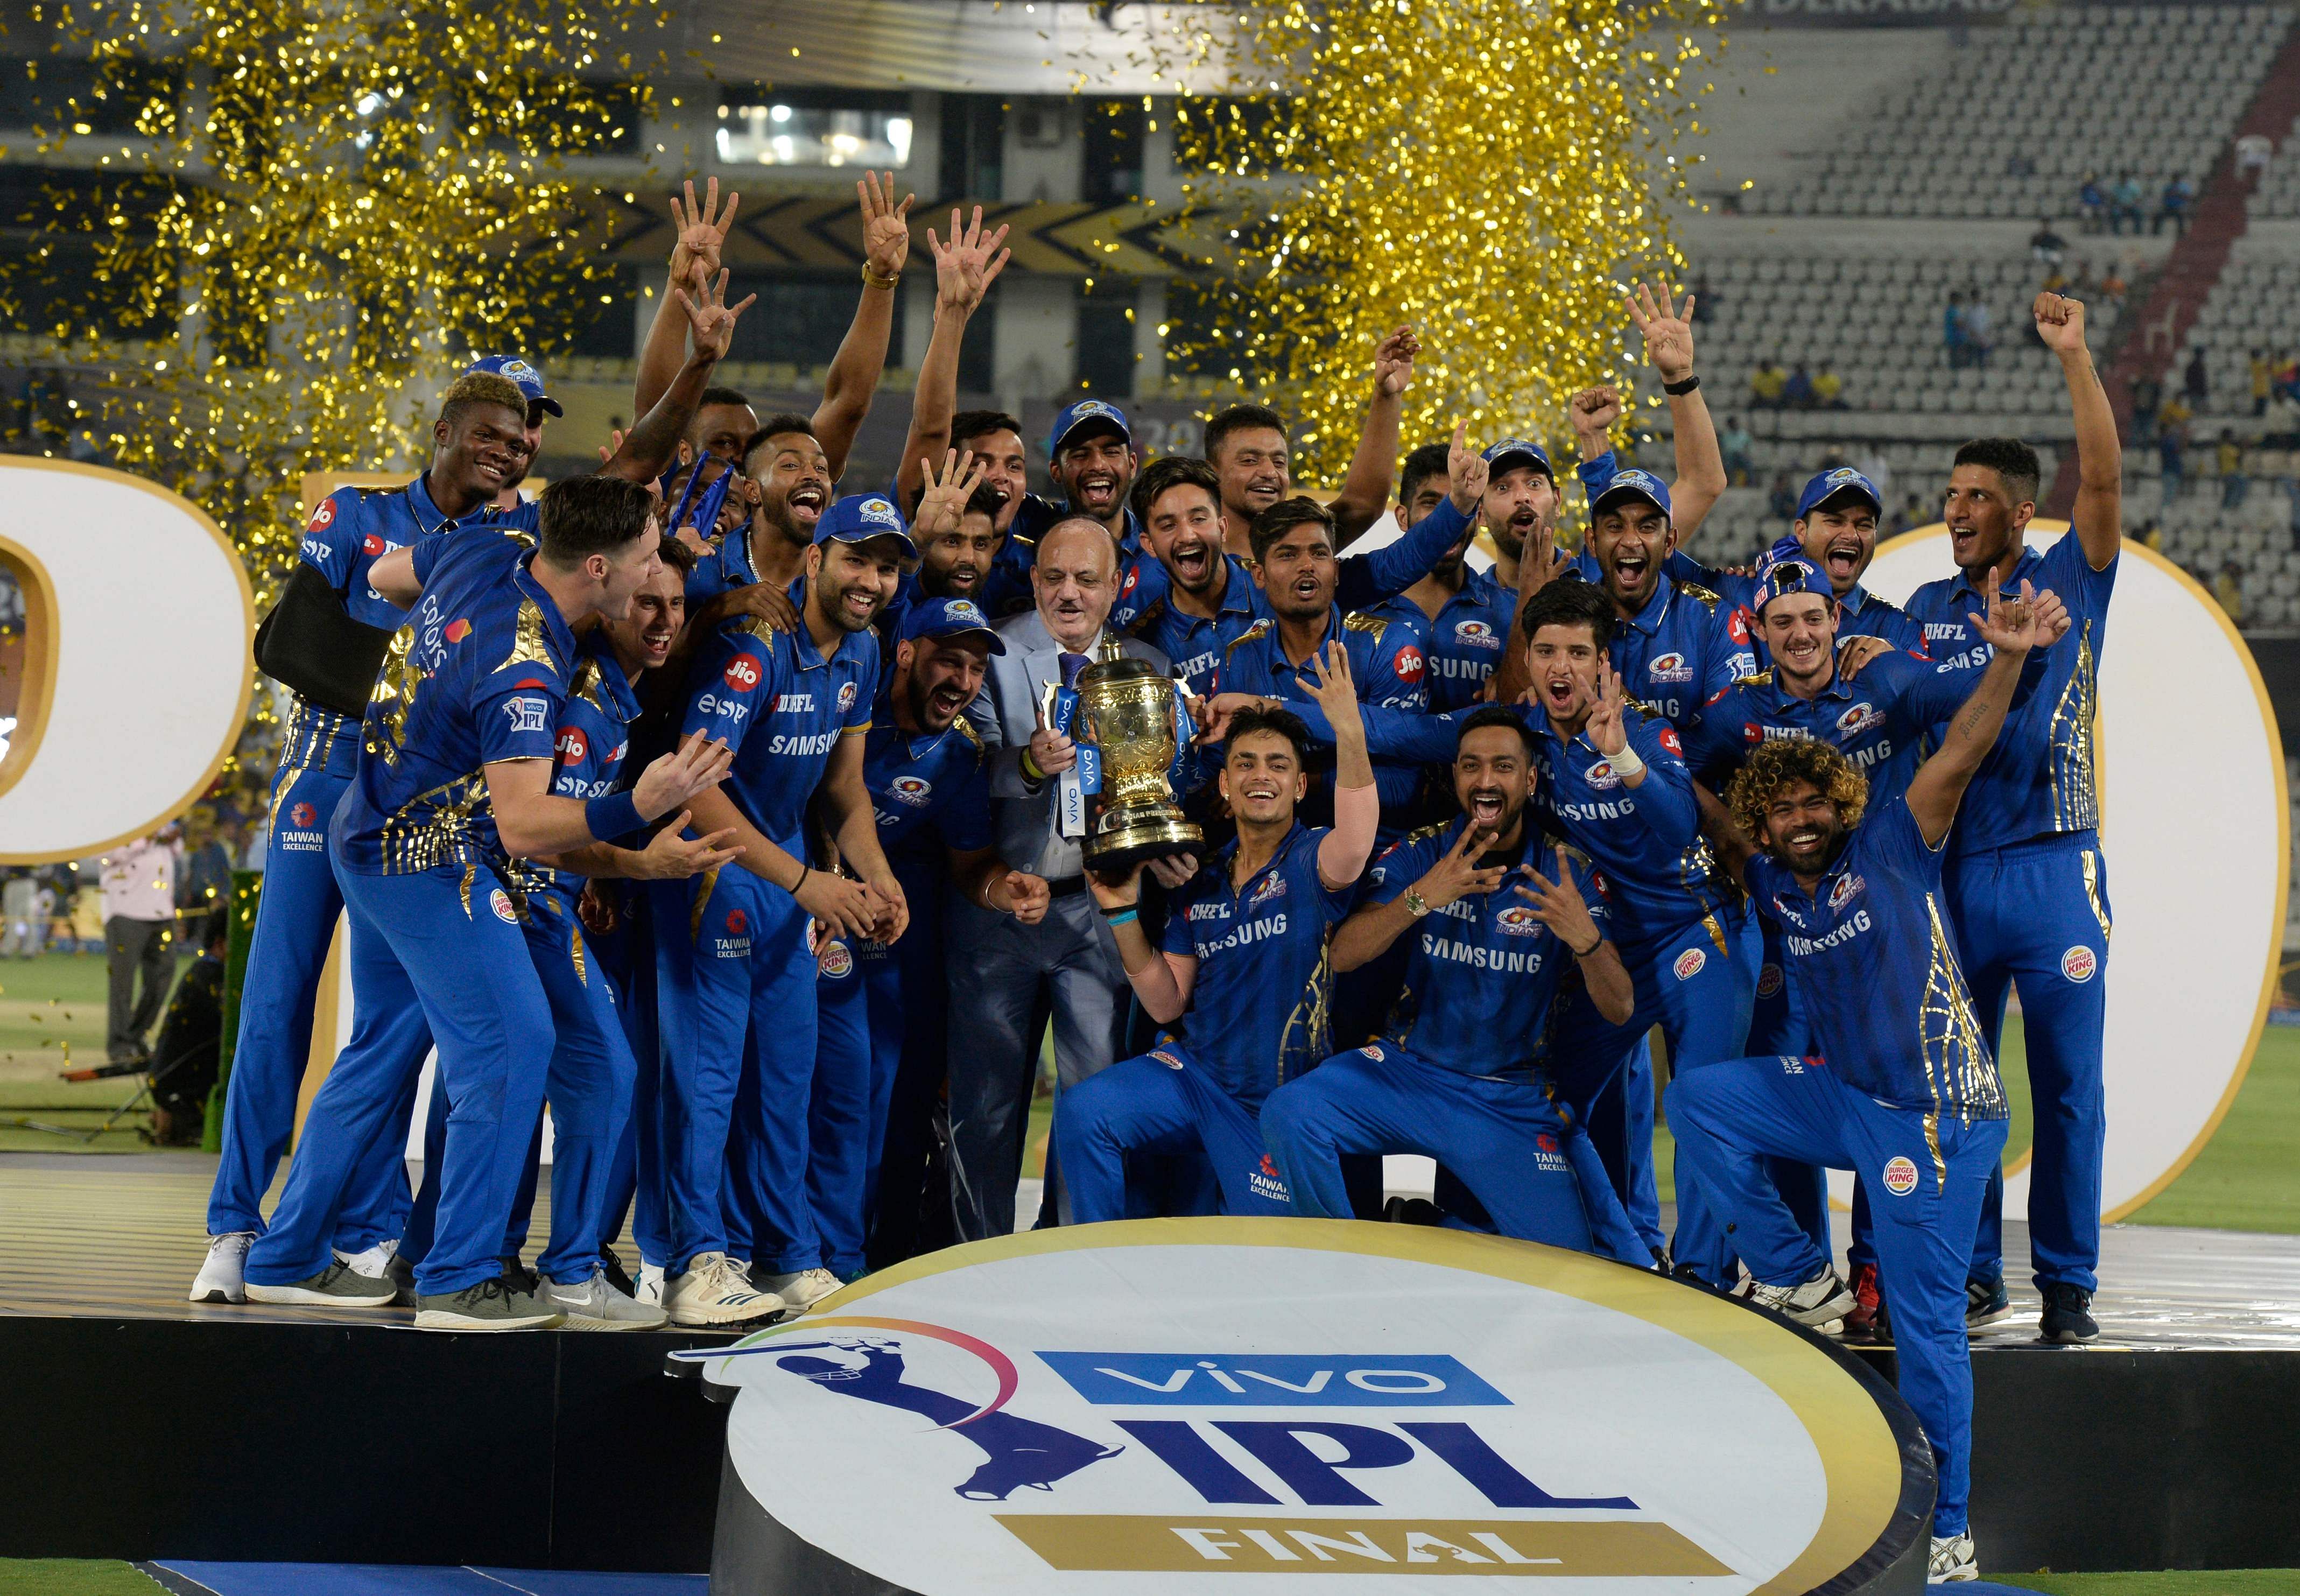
<point>309,644</point>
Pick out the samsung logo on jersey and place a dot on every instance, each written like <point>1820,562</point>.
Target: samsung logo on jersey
<point>1613,809</point>
<point>1805,946</point>
<point>820,742</point>
<point>1461,670</point>
<point>1248,932</point>
<point>1507,960</point>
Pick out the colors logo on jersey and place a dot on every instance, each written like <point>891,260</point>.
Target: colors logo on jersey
<point>1601,775</point>
<point>1858,719</point>
<point>1689,964</point>
<point>1476,634</point>
<point>1668,667</point>
<point>835,961</point>
<point>1900,1176</point>
<point>1166,1058</point>
<point>499,901</point>
<point>457,631</point>
<point>373,546</point>
<point>742,672</point>
<point>1409,663</point>
<point>1848,888</point>
<point>845,697</point>
<point>909,790</point>
<point>304,816</point>
<point>572,745</point>
<point>1518,920</point>
<point>323,517</point>
<point>1768,981</point>
<point>2079,963</point>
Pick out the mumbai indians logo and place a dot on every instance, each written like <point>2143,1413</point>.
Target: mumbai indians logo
<point>909,790</point>
<point>1842,475</point>
<point>880,512</point>
<point>1091,407</point>
<point>1858,719</point>
<point>1668,667</point>
<point>517,369</point>
<point>960,610</point>
<point>1601,775</point>
<point>1476,634</point>
<point>836,961</point>
<point>845,697</point>
<point>1900,1175</point>
<point>1272,886</point>
<point>1848,888</point>
<point>1518,920</point>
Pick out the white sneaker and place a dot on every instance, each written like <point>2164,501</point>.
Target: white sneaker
<point>375,1260</point>
<point>1818,1304</point>
<point>714,1290</point>
<point>650,1283</point>
<point>803,1290</point>
<point>1954,1561</point>
<point>219,1279</point>
<point>597,1305</point>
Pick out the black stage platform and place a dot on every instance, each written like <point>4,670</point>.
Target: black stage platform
<point>140,1426</point>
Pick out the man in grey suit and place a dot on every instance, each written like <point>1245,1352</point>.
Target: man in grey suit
<point>1006,977</point>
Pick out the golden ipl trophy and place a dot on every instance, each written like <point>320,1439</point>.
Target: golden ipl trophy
<point>1133,718</point>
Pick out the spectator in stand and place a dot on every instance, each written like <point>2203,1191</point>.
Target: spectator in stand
<point>2292,498</point>
<point>2124,204</point>
<point>1767,384</point>
<point>2282,423</point>
<point>139,924</point>
<point>1784,499</point>
<point>2151,535</point>
<point>1979,330</point>
<point>2252,153</point>
<point>2171,444</point>
<point>2113,288</point>
<point>2147,402</point>
<point>2173,206</point>
<point>2286,379</point>
<point>1910,515</point>
<point>2092,205</point>
<point>1798,395</point>
<point>2197,380</point>
<point>2229,457</point>
<point>2046,243</point>
<point>2228,590</point>
<point>2056,281</point>
<point>1952,329</point>
<point>1734,443</point>
<point>2261,376</point>
<point>1828,389</point>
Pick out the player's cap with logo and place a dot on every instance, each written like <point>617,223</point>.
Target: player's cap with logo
<point>1632,485</point>
<point>940,618</point>
<point>1510,453</point>
<point>529,377</point>
<point>860,517</point>
<point>1085,420</point>
<point>1784,577</point>
<point>1843,482</point>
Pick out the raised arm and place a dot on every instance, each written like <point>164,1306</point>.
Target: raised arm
<point>2010,628</point>
<point>854,374</point>
<point>699,237</point>
<point>1357,803</point>
<point>1701,478</point>
<point>1365,487</point>
<point>648,448</point>
<point>2099,518</point>
<point>964,270</point>
<point>1160,980</point>
<point>1363,580</point>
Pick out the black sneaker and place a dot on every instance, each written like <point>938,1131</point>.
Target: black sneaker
<point>495,1304</point>
<point>519,1276</point>
<point>617,1275</point>
<point>403,1275</point>
<point>1412,1210</point>
<point>1985,1302</point>
<point>2068,1318</point>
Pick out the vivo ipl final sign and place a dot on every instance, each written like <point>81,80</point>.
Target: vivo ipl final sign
<point>1134,1407</point>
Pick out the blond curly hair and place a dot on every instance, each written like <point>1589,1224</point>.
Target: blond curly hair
<point>1784,762</point>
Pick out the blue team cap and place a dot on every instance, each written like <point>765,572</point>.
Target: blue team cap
<point>860,517</point>
<point>940,618</point>
<point>1795,574</point>
<point>1511,453</point>
<point>529,377</point>
<point>1633,484</point>
<point>1085,413</point>
<point>1829,484</point>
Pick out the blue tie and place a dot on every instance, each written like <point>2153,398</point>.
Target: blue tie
<point>1072,664</point>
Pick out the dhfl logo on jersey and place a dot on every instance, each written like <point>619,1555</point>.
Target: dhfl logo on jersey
<point>2079,963</point>
<point>572,746</point>
<point>1409,663</point>
<point>1668,667</point>
<point>742,672</point>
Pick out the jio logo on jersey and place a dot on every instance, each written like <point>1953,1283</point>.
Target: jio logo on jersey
<point>1689,964</point>
<point>1900,1175</point>
<point>909,790</point>
<point>1668,667</point>
<point>1518,920</point>
<point>572,745</point>
<point>324,516</point>
<point>1476,634</point>
<point>1858,719</point>
<point>1409,663</point>
<point>845,697</point>
<point>499,901</point>
<point>2079,963</point>
<point>742,672</point>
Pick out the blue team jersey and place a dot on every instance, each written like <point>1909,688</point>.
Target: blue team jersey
<point>930,790</point>
<point>1687,645</point>
<point>1876,965</point>
<point>782,707</point>
<point>1878,720</point>
<point>1196,643</point>
<point>2040,778</point>
<point>1388,660</point>
<point>355,527</point>
<point>592,740</point>
<point>1861,613</point>
<point>1480,972</point>
<point>1258,1007</point>
<point>1467,637</point>
<point>477,675</point>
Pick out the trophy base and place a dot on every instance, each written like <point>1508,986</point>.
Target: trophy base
<point>1116,851</point>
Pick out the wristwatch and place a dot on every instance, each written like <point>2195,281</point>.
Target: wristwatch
<point>1416,904</point>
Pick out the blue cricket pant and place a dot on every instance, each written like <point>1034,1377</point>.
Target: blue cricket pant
<point>295,917</point>
<point>1732,1117</point>
<point>1164,1102</point>
<point>2036,916</point>
<point>858,1046</point>
<point>904,1142</point>
<point>735,1005</point>
<point>427,951</point>
<point>1502,1139</point>
<point>626,956</point>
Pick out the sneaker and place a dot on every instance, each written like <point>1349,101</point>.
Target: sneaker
<point>1985,1302</point>
<point>497,1304</point>
<point>803,1290</point>
<point>596,1304</point>
<point>714,1290</point>
<point>1818,1304</point>
<point>618,1276</point>
<point>1952,1562</point>
<point>375,1261</point>
<point>402,1274</point>
<point>339,1285</point>
<point>1868,1306</point>
<point>219,1279</point>
<point>1412,1210</point>
<point>520,1276</point>
<point>650,1287</point>
<point>2068,1316</point>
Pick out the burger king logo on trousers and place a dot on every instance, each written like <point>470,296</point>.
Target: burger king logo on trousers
<point>2079,963</point>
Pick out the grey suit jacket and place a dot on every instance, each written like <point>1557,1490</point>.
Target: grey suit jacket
<point>1006,714</point>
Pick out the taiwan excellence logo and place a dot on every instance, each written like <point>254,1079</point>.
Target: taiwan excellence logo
<point>1020,1420</point>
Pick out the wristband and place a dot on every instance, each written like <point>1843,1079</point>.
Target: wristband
<point>1125,917</point>
<point>872,280</point>
<point>1626,764</point>
<point>613,816</point>
<point>804,872</point>
<point>1680,390</point>
<point>1031,771</point>
<point>1585,952</point>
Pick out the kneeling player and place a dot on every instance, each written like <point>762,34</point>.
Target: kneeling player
<point>1909,1097</point>
<point>1452,1076</point>
<point>1243,984</point>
